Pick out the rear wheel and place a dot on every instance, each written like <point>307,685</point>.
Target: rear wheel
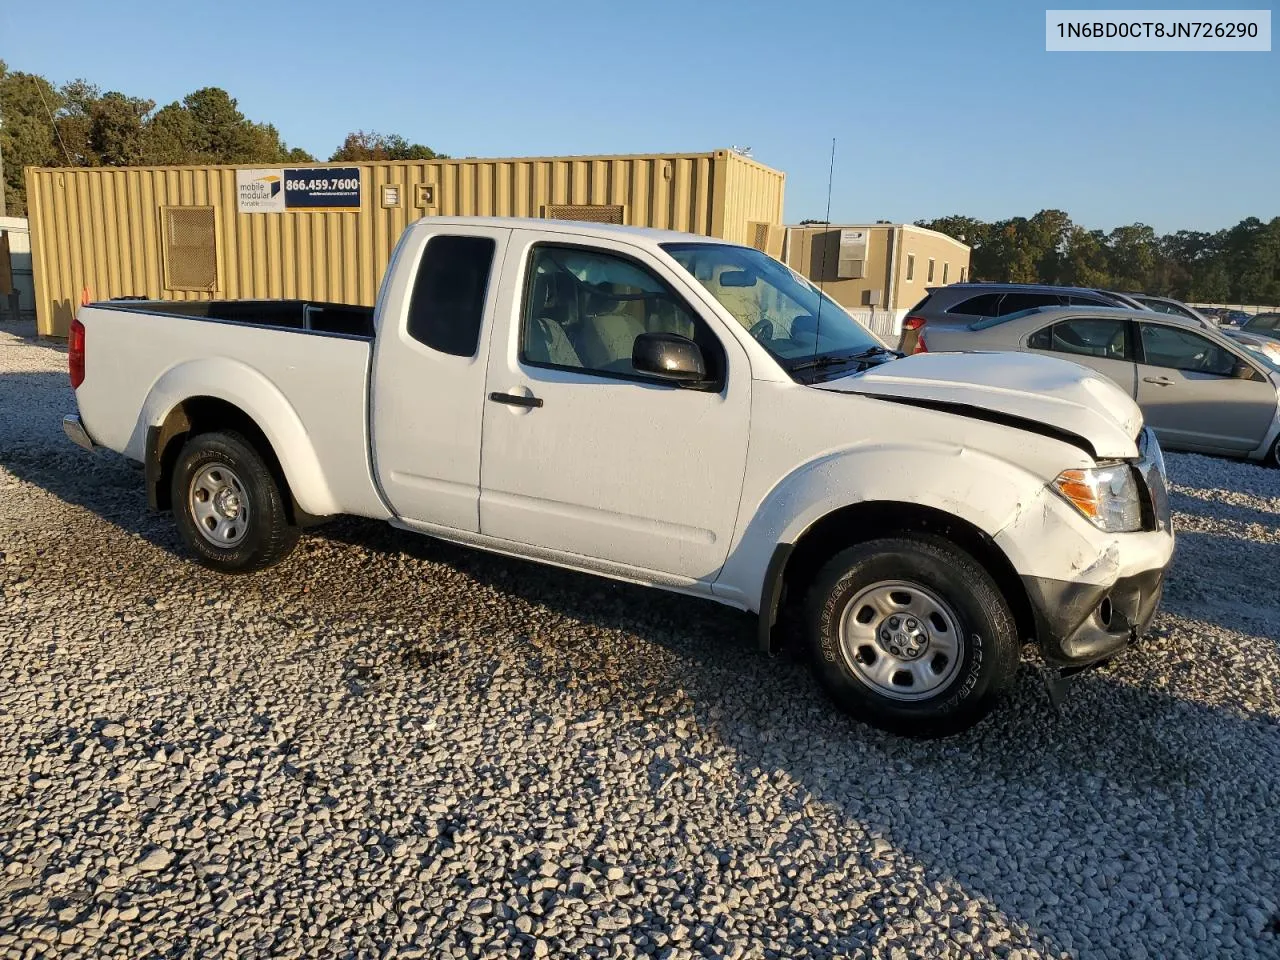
<point>227,505</point>
<point>912,635</point>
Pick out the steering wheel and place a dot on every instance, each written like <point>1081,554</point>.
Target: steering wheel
<point>763,329</point>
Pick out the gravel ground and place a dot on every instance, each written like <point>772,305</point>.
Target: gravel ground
<point>388,746</point>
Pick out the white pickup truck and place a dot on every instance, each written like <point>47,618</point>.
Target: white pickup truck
<point>669,410</point>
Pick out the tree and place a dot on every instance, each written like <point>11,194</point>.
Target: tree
<point>1084,263</point>
<point>118,129</point>
<point>78,125</point>
<point>172,135</point>
<point>27,137</point>
<point>219,133</point>
<point>1046,239</point>
<point>376,146</point>
<point>1132,257</point>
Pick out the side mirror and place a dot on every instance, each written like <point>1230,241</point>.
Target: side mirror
<point>1242,371</point>
<point>670,356</point>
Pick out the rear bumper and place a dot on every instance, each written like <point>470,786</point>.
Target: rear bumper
<point>1080,623</point>
<point>76,432</point>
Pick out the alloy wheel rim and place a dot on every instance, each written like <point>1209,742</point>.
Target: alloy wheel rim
<point>219,505</point>
<point>901,639</point>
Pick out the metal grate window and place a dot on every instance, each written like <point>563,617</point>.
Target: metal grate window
<point>593,212</point>
<point>190,251</point>
<point>765,237</point>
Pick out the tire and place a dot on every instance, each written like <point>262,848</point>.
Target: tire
<point>935,670</point>
<point>227,505</point>
<point>1273,459</point>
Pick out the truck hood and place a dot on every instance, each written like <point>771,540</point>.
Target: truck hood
<point>1018,388</point>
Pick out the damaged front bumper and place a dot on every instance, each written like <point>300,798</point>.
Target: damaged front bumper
<point>1078,624</point>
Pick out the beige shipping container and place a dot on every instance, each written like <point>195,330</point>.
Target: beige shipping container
<point>179,233</point>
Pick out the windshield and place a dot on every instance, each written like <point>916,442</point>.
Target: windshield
<point>1268,357</point>
<point>782,310</point>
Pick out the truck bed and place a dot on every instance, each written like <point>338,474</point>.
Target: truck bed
<point>305,387</point>
<point>342,319</point>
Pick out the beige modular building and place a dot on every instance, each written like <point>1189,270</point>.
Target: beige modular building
<point>325,231</point>
<point>876,271</point>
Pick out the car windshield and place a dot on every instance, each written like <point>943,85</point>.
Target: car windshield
<point>1268,359</point>
<point>787,314</point>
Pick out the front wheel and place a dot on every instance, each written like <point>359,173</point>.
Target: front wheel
<point>912,635</point>
<point>227,505</point>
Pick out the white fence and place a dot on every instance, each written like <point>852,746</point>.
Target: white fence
<point>885,324</point>
<point>1243,307</point>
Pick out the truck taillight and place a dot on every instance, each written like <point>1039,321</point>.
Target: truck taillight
<point>921,347</point>
<point>913,323</point>
<point>75,353</point>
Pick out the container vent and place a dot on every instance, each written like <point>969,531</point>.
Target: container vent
<point>190,253</point>
<point>593,212</point>
<point>765,237</point>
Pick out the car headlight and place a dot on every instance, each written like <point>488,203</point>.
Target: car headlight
<point>1107,496</point>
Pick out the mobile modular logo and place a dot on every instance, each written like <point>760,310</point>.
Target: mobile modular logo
<point>260,191</point>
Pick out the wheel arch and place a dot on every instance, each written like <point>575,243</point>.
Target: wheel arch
<point>194,416</point>
<point>221,394</point>
<point>793,566</point>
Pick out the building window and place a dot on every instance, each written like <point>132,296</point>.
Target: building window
<point>911,267</point>
<point>447,305</point>
<point>190,248</point>
<point>930,270</point>
<point>945,267</point>
<point>962,273</point>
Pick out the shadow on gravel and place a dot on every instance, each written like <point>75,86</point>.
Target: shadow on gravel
<point>34,449</point>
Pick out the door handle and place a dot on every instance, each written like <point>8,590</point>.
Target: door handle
<point>515,400</point>
<point>1158,381</point>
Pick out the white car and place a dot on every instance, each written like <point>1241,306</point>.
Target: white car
<point>669,410</point>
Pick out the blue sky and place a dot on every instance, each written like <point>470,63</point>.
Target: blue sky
<point>937,108</point>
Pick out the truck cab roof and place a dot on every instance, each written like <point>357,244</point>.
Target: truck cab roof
<point>577,227</point>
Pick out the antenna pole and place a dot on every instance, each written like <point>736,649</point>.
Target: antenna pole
<point>822,270</point>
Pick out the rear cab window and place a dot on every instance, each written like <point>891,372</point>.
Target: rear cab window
<point>446,307</point>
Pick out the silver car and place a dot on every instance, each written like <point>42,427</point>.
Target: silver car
<point>1198,389</point>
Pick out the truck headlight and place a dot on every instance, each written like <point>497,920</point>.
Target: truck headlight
<point>1107,496</point>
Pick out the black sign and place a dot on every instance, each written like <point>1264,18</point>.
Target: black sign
<point>327,188</point>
